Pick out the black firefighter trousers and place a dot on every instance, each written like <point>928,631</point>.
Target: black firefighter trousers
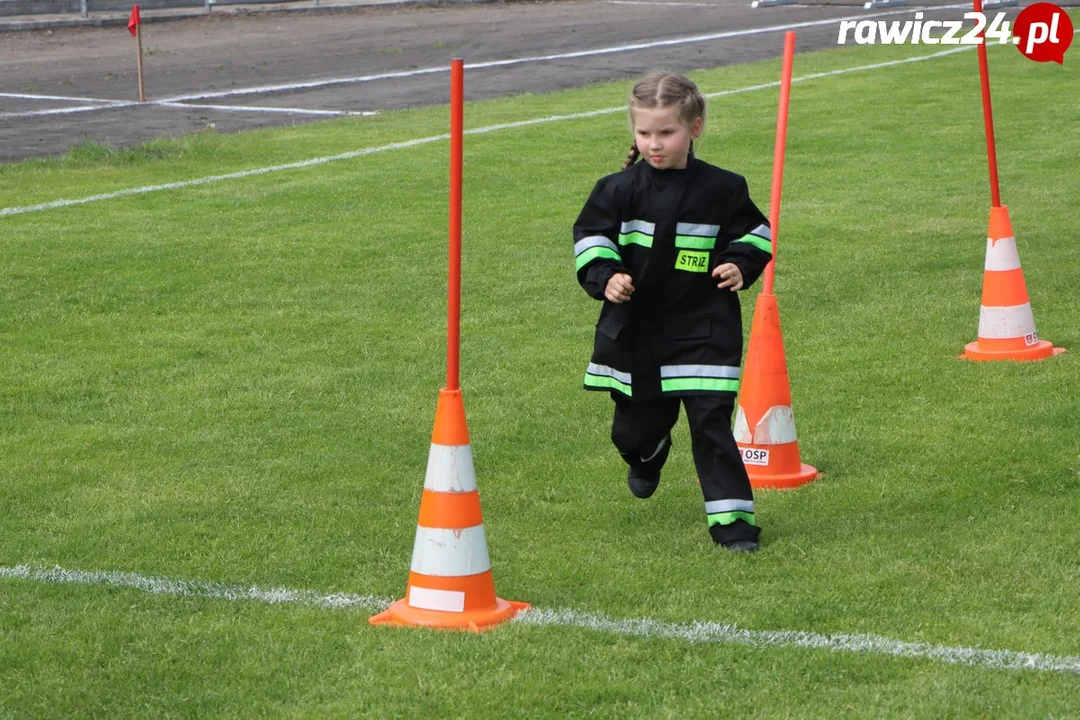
<point>639,427</point>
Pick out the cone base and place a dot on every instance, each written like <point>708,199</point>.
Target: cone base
<point>1039,351</point>
<point>401,613</point>
<point>785,481</point>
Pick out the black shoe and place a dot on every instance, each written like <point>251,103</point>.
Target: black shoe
<point>644,478</point>
<point>741,546</point>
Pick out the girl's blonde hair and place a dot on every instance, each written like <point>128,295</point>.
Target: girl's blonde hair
<point>665,89</point>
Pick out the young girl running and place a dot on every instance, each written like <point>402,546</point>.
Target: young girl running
<point>665,243</point>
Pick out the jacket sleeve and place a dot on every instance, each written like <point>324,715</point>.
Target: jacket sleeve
<point>749,237</point>
<point>596,234</point>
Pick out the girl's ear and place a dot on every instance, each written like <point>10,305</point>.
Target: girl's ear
<point>696,127</point>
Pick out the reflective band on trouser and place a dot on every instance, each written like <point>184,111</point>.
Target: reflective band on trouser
<point>709,378</point>
<point>722,506</point>
<point>711,371</point>
<point>727,518</point>
<point>704,384</point>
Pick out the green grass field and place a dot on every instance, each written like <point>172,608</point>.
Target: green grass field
<point>235,383</point>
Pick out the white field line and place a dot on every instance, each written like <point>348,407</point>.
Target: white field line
<point>246,108</point>
<point>54,204</point>
<point>65,98</point>
<point>695,632</point>
<point>117,104</point>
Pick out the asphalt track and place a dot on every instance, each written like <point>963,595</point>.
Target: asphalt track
<point>233,71</point>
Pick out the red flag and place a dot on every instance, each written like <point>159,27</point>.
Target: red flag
<point>133,21</point>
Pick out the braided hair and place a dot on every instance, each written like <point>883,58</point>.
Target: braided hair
<point>665,89</point>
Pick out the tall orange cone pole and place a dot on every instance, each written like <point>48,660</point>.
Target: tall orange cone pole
<point>764,420</point>
<point>1006,323</point>
<point>450,580</point>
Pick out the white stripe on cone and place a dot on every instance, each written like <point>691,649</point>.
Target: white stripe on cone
<point>450,553</point>
<point>776,427</point>
<point>1001,254</point>
<point>1001,323</point>
<point>450,469</point>
<point>433,599</point>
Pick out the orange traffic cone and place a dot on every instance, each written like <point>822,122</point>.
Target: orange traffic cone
<point>764,421</point>
<point>450,582</point>
<point>1006,325</point>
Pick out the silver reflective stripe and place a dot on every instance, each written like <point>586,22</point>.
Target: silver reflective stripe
<point>710,231</point>
<point>707,371</point>
<point>593,241</point>
<point>722,506</point>
<point>640,226</point>
<point>657,451</point>
<point>762,231</point>
<point>605,371</point>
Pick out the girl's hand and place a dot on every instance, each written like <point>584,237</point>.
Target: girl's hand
<point>619,288</point>
<point>730,274</point>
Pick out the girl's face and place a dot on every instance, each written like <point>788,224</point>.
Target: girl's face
<point>662,138</point>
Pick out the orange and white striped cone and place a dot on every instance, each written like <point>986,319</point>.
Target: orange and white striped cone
<point>450,581</point>
<point>1006,323</point>
<point>764,420</point>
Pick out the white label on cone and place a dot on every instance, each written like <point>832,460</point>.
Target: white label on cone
<point>431,599</point>
<point>776,427</point>
<point>755,456</point>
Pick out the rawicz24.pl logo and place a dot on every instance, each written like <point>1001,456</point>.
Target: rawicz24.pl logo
<point>1042,32</point>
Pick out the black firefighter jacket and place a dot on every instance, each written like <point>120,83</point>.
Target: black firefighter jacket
<point>679,334</point>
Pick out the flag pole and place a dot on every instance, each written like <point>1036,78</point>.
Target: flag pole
<point>134,27</point>
<point>138,41</point>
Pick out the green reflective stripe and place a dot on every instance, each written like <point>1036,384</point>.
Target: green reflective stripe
<point>759,242</point>
<point>635,238</point>
<point>609,383</point>
<point>715,384</point>
<point>730,517</point>
<point>697,243</point>
<point>593,253</point>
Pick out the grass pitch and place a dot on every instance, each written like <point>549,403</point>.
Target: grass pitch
<point>235,382</point>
